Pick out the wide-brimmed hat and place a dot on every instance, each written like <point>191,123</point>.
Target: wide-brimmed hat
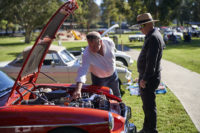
<point>144,18</point>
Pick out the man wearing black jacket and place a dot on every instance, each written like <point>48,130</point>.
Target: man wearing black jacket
<point>148,65</point>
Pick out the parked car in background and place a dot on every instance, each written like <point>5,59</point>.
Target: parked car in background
<point>136,37</point>
<point>48,108</point>
<point>59,65</point>
<point>173,36</point>
<point>6,85</point>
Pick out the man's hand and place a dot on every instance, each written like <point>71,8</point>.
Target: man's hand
<point>77,92</point>
<point>143,83</point>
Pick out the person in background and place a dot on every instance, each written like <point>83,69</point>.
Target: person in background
<point>99,59</point>
<point>148,65</point>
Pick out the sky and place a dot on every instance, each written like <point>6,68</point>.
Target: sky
<point>98,2</point>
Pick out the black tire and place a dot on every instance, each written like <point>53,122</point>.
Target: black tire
<point>67,130</point>
<point>122,60</point>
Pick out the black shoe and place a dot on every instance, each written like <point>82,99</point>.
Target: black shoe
<point>142,131</point>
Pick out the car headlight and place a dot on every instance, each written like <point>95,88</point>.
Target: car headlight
<point>110,121</point>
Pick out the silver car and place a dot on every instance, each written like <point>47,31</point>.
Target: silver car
<point>59,66</point>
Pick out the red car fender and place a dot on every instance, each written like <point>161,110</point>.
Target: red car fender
<point>49,117</point>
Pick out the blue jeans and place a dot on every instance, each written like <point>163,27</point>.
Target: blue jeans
<point>111,82</point>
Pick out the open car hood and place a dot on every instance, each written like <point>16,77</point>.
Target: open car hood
<point>110,29</point>
<point>33,62</point>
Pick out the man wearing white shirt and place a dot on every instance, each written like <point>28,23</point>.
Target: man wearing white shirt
<point>99,59</point>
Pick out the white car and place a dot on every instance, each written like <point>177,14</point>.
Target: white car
<point>59,66</point>
<point>136,37</point>
<point>124,58</point>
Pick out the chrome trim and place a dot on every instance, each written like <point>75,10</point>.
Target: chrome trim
<point>55,125</point>
<point>126,113</point>
<point>127,110</point>
<point>110,121</point>
<point>110,91</point>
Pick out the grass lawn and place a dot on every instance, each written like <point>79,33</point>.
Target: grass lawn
<point>10,47</point>
<point>172,118</point>
<point>184,53</point>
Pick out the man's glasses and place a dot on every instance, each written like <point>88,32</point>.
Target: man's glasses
<point>141,26</point>
<point>91,37</point>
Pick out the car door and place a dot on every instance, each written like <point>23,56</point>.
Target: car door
<point>53,70</point>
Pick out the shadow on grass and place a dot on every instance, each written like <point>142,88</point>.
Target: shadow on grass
<point>184,45</point>
<point>127,47</point>
<point>75,49</point>
<point>12,44</point>
<point>134,47</point>
<point>14,53</point>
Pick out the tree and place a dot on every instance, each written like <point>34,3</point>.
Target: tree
<point>124,10</point>
<point>29,14</point>
<point>168,11</point>
<point>195,10</point>
<point>87,14</point>
<point>114,11</point>
<point>137,7</point>
<point>91,12</point>
<point>109,11</point>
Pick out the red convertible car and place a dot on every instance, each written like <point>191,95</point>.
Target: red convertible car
<point>47,108</point>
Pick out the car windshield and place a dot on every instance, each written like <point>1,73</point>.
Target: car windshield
<point>66,56</point>
<point>6,83</point>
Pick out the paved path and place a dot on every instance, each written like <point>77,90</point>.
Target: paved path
<point>184,83</point>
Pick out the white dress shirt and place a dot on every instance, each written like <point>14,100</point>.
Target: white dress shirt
<point>100,66</point>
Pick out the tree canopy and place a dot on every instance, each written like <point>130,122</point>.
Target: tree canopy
<point>33,14</point>
<point>29,14</point>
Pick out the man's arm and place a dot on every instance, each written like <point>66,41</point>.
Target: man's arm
<point>81,76</point>
<point>77,92</point>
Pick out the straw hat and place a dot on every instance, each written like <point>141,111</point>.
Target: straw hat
<point>145,18</point>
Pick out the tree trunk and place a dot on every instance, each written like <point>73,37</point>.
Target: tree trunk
<point>28,36</point>
<point>88,27</point>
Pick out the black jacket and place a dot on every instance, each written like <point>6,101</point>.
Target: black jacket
<point>148,63</point>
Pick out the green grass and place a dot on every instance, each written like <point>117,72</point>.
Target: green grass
<point>10,47</point>
<point>184,54</point>
<point>74,45</point>
<point>172,117</point>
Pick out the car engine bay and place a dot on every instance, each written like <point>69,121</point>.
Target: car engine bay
<point>61,97</point>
